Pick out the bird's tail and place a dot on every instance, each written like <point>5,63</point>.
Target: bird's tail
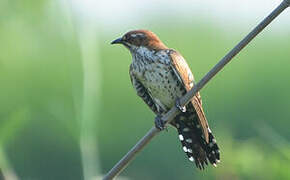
<point>192,140</point>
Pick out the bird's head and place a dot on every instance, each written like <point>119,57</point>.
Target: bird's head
<point>136,39</point>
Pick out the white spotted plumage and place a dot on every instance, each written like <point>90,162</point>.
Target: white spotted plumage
<point>156,75</point>
<point>160,76</point>
<point>181,137</point>
<point>186,129</point>
<point>189,140</point>
<point>191,159</point>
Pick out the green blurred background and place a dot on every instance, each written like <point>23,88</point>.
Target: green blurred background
<point>68,110</point>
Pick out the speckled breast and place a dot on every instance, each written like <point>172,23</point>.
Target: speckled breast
<point>163,84</point>
<point>158,77</point>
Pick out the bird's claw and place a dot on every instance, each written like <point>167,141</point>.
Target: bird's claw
<point>159,123</point>
<point>181,108</point>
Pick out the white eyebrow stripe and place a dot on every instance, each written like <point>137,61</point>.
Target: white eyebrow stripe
<point>137,34</point>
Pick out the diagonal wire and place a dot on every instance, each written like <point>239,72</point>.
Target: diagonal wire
<point>169,116</point>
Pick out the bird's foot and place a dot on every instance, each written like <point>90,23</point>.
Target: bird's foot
<point>159,123</point>
<point>181,108</point>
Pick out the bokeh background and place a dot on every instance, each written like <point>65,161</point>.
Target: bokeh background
<point>68,111</point>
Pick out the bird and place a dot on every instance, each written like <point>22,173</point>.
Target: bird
<point>161,76</point>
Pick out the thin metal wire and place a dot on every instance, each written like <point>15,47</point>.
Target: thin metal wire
<point>169,116</point>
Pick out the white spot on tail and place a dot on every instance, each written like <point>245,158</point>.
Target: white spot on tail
<point>189,150</point>
<point>189,140</point>
<point>181,137</point>
<point>191,159</point>
<point>186,129</point>
<point>184,149</point>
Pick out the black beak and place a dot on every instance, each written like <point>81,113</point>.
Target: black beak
<point>117,41</point>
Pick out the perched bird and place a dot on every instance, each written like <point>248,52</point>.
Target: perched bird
<point>161,76</point>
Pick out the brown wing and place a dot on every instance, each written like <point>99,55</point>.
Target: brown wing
<point>184,74</point>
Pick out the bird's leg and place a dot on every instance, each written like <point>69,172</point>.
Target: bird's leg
<point>181,108</point>
<point>159,123</point>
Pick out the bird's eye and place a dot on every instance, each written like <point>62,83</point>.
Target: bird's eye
<point>127,38</point>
